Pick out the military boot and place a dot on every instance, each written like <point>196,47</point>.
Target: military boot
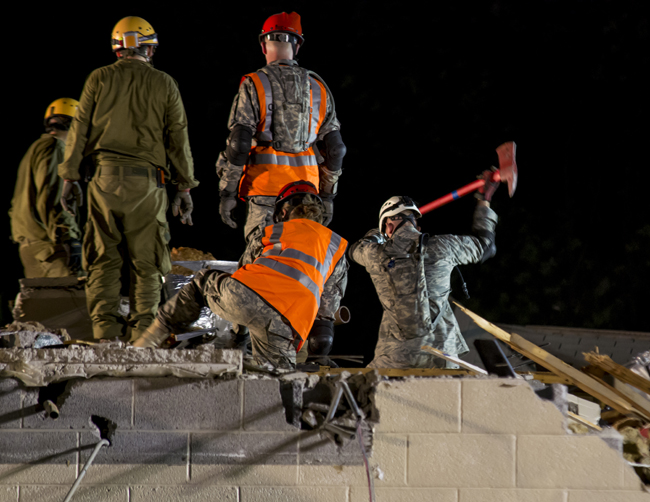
<point>154,336</point>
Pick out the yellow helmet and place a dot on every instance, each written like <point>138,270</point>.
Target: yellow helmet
<point>62,106</point>
<point>132,32</point>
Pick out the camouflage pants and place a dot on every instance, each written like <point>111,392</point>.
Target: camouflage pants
<point>44,259</point>
<point>394,351</point>
<point>271,337</point>
<point>126,221</point>
<point>259,215</point>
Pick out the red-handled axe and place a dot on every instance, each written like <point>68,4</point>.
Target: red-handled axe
<point>507,172</point>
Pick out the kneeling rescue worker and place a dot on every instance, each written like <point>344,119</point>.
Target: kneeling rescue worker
<point>287,296</point>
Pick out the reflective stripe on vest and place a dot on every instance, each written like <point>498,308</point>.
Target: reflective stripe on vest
<point>268,171</point>
<point>310,254</point>
<point>318,108</point>
<point>265,97</point>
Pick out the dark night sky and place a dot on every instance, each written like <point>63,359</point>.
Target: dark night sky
<point>424,96</point>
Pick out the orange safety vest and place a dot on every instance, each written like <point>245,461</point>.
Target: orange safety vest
<point>268,169</point>
<point>299,256</point>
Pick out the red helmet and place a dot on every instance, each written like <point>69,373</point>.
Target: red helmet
<point>283,23</point>
<point>295,189</point>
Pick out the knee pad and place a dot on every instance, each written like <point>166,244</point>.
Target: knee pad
<point>239,145</point>
<point>335,150</point>
<point>321,338</point>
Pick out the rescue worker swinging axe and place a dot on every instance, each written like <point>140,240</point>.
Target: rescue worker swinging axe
<point>489,180</point>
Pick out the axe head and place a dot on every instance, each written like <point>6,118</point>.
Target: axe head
<point>508,165</point>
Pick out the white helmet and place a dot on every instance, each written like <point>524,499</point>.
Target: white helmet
<point>394,206</point>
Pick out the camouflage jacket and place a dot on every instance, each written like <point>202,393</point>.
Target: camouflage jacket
<point>412,275</point>
<point>246,111</point>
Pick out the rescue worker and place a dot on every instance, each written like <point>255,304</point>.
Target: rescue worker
<point>49,238</point>
<point>130,124</point>
<point>287,296</point>
<point>412,274</point>
<point>280,112</point>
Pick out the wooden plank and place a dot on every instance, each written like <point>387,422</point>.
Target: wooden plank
<point>552,363</point>
<point>635,400</point>
<point>621,372</point>
<point>584,421</point>
<point>465,365</point>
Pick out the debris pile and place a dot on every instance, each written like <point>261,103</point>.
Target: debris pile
<point>31,334</point>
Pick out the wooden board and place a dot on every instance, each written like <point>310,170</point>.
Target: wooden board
<point>452,359</point>
<point>552,363</point>
<point>624,374</point>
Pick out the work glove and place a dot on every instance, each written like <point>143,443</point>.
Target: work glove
<point>227,205</point>
<point>183,205</point>
<point>73,250</point>
<point>487,191</point>
<point>72,197</point>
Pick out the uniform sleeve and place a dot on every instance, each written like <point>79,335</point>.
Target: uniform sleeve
<point>177,143</point>
<point>60,225</point>
<point>333,291</point>
<point>244,112</point>
<point>78,133</point>
<point>464,249</point>
<point>364,252</point>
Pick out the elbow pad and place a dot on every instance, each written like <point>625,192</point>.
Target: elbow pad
<point>239,145</point>
<point>321,338</point>
<point>489,248</point>
<point>334,150</point>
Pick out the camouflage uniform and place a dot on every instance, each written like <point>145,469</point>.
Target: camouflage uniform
<point>130,123</point>
<point>272,337</point>
<point>245,111</point>
<point>38,222</point>
<point>411,274</point>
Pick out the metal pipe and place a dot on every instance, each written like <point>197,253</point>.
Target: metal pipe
<point>342,316</point>
<point>51,409</point>
<point>103,442</point>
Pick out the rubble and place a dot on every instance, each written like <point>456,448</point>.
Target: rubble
<point>31,334</point>
<point>40,367</point>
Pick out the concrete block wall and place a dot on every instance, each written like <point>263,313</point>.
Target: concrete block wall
<point>448,440</point>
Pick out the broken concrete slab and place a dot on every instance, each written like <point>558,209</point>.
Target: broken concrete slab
<point>39,367</point>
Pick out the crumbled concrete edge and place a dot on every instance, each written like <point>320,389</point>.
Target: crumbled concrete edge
<point>40,367</point>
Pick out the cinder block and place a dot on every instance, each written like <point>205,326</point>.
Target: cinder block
<point>110,398</point>
<point>631,480</point>
<point>579,462</point>
<point>263,408</point>
<point>185,493</point>
<point>245,475</point>
<point>37,457</point>
<point>8,494</point>
<point>461,461</point>
<point>136,474</point>
<point>187,404</point>
<point>419,405</point>
<point>360,494</point>
<point>507,406</point>
<point>53,493</point>
<point>138,447</point>
<point>294,494</point>
<point>10,403</point>
<point>387,466</point>
<point>245,448</point>
<point>512,495</point>
<point>607,496</point>
<point>316,448</point>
